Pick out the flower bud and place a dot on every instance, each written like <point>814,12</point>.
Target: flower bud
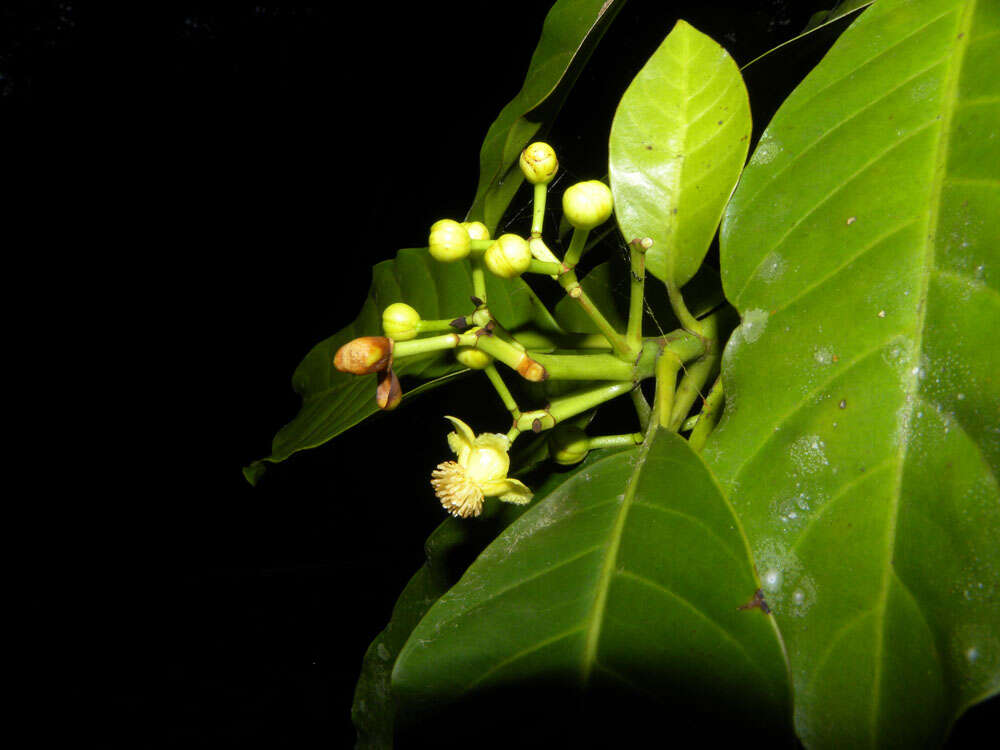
<point>477,230</point>
<point>364,355</point>
<point>538,163</point>
<point>568,444</point>
<point>400,321</point>
<point>473,358</point>
<point>508,257</point>
<point>587,204</point>
<point>449,241</point>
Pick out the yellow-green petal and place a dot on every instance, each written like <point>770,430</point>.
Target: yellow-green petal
<point>465,434</point>
<point>508,491</point>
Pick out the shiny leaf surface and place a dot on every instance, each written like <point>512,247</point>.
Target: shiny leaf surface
<point>631,574</point>
<point>571,31</point>
<point>678,142</point>
<point>333,401</point>
<point>861,438</point>
<point>450,549</point>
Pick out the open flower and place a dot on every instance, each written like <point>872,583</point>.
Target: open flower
<point>481,471</point>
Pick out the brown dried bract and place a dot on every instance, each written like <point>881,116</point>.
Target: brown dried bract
<point>388,394</point>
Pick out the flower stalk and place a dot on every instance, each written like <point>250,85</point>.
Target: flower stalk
<point>637,258</point>
<point>709,416</point>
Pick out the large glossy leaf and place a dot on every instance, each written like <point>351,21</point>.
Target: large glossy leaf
<point>678,142</point>
<point>631,575</point>
<point>570,33</point>
<point>450,549</point>
<point>333,401</point>
<point>861,437</point>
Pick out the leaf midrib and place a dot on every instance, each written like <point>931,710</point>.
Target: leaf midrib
<point>949,105</point>
<point>597,613</point>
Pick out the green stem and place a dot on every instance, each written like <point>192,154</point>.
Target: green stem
<point>434,326</point>
<point>642,410</point>
<point>478,246</point>
<point>576,246</point>
<point>538,212</point>
<point>547,268</point>
<point>697,374</point>
<point>478,278</point>
<point>667,367</point>
<point>416,347</point>
<point>708,418</point>
<point>564,407</point>
<point>616,441</point>
<point>684,315</point>
<point>597,366</point>
<point>502,390</point>
<point>600,238</point>
<point>569,282</point>
<point>637,258</point>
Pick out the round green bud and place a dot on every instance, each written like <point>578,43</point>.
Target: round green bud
<point>538,163</point>
<point>472,357</point>
<point>587,204</point>
<point>568,444</point>
<point>477,230</point>
<point>400,321</point>
<point>448,241</point>
<point>508,257</point>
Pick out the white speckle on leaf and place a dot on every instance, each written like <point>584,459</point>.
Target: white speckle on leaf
<point>808,454</point>
<point>767,149</point>
<point>823,355</point>
<point>772,268</point>
<point>754,323</point>
<point>787,589</point>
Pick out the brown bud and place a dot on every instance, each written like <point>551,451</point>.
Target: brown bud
<point>529,369</point>
<point>388,394</point>
<point>364,355</point>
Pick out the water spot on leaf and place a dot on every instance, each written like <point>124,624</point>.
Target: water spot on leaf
<point>767,149</point>
<point>772,268</point>
<point>823,354</point>
<point>808,454</point>
<point>754,323</point>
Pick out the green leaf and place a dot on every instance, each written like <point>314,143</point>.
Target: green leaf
<point>819,20</point>
<point>570,33</point>
<point>450,549</point>
<point>861,437</point>
<point>678,142</point>
<point>333,402</point>
<point>630,575</point>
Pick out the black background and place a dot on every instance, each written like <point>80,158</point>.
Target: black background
<point>208,185</point>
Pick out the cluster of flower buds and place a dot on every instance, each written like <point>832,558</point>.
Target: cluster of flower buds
<point>482,461</point>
